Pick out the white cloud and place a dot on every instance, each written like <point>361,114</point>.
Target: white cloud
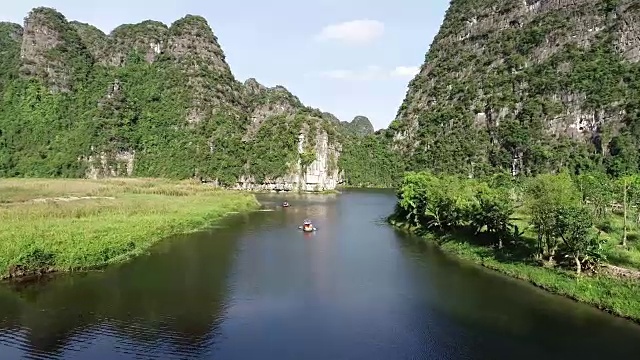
<point>352,32</point>
<point>371,72</point>
<point>405,71</point>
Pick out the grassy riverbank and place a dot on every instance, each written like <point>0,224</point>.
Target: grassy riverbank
<point>617,296</point>
<point>65,225</point>
<point>554,231</point>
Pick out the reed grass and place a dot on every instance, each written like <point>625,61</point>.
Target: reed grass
<point>67,225</point>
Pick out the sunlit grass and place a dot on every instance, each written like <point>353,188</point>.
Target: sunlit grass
<point>628,257</point>
<point>122,218</point>
<point>617,296</point>
<point>616,254</point>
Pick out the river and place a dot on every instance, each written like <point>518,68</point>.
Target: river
<point>256,287</point>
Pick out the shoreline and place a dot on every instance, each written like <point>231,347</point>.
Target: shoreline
<point>35,275</point>
<point>609,294</point>
<point>291,192</point>
<point>53,226</point>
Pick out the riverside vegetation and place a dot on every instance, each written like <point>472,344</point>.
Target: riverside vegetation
<point>64,225</point>
<point>560,232</point>
<point>549,93</point>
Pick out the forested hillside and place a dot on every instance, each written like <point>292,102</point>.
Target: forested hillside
<point>526,87</point>
<point>151,100</point>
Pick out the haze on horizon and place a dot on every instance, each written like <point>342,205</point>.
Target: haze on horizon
<point>345,57</point>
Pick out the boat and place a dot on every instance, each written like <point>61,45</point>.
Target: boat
<point>307,226</point>
<point>285,204</point>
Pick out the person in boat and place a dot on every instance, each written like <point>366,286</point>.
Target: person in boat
<point>285,204</point>
<point>307,225</point>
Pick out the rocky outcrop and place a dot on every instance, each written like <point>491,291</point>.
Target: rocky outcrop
<point>148,39</point>
<point>191,37</point>
<point>628,34</point>
<point>320,174</point>
<point>511,81</point>
<point>52,50</point>
<point>103,165</point>
<point>150,100</point>
<point>359,126</point>
<point>266,102</point>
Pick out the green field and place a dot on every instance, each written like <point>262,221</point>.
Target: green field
<point>66,225</point>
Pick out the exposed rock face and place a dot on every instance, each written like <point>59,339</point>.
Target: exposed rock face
<point>191,37</point>
<point>321,174</point>
<point>509,81</point>
<point>150,100</point>
<point>119,164</point>
<point>40,34</point>
<point>277,102</point>
<point>148,38</point>
<point>51,50</point>
<point>266,102</point>
<point>628,35</point>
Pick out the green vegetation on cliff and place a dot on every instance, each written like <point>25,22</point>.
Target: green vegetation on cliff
<point>526,87</point>
<point>147,100</point>
<point>359,126</point>
<point>556,231</point>
<point>368,161</point>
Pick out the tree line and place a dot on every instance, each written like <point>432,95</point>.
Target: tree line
<point>551,219</point>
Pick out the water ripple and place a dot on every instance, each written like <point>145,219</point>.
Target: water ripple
<point>256,287</point>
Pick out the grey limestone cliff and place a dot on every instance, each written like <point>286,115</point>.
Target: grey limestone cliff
<point>513,84</point>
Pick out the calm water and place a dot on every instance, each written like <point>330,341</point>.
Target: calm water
<point>258,288</point>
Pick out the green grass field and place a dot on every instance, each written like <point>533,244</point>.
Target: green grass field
<point>65,225</point>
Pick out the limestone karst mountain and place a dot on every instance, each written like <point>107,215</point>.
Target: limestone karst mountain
<point>526,87</point>
<point>151,100</point>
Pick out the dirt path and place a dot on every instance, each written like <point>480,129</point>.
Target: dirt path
<point>621,272</point>
<point>60,199</point>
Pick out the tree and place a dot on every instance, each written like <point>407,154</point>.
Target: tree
<point>633,195</point>
<point>628,192</point>
<point>412,197</point>
<point>544,195</point>
<point>493,208</point>
<point>426,200</point>
<point>597,191</point>
<point>573,223</point>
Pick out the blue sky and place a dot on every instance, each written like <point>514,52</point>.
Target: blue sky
<point>347,57</point>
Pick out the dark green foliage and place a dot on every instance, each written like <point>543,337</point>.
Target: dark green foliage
<point>359,126</point>
<point>454,205</point>
<point>275,148</point>
<point>35,259</point>
<point>9,53</point>
<point>179,116</point>
<point>369,161</point>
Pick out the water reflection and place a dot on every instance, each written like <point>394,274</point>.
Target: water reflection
<point>169,303</point>
<point>498,313</point>
<point>258,287</point>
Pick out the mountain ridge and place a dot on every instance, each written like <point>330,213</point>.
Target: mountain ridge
<point>150,99</point>
<point>526,87</point>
